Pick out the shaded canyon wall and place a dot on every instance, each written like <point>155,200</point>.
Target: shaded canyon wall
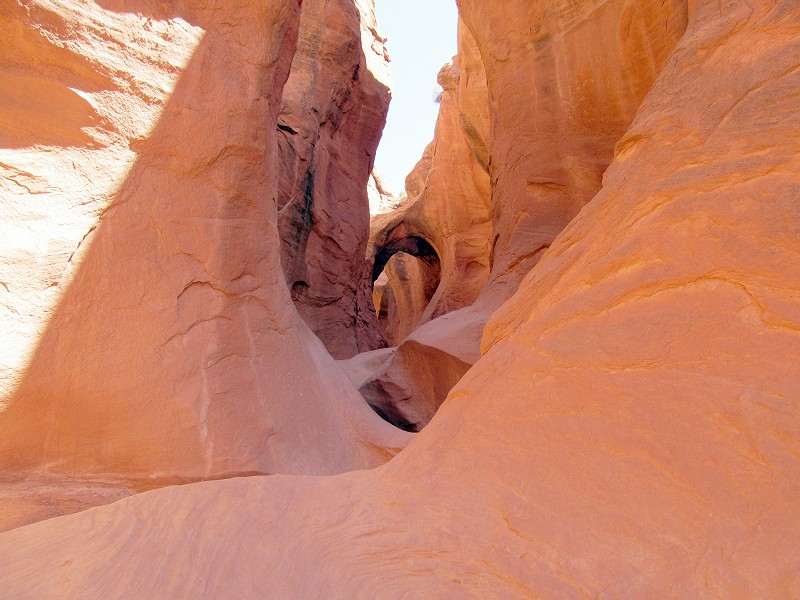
<point>147,332</point>
<point>332,114</point>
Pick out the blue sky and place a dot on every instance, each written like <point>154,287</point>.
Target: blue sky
<point>422,37</point>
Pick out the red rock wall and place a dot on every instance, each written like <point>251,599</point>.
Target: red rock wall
<point>162,344</point>
<point>584,68</point>
<point>540,109</point>
<point>333,111</point>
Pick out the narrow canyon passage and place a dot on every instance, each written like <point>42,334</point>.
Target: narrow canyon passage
<point>561,362</point>
<point>321,206</point>
<point>475,242</point>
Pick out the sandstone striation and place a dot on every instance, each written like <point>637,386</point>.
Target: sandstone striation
<point>333,111</point>
<point>584,70</point>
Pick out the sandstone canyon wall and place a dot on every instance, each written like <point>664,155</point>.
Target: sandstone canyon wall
<point>448,203</point>
<point>147,332</point>
<point>333,110</point>
<point>584,68</point>
<point>632,428</point>
<point>546,91</point>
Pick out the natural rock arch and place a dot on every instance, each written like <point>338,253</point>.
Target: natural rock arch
<point>412,244</point>
<point>406,274</point>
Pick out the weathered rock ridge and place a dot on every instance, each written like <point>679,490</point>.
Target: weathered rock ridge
<point>630,427</point>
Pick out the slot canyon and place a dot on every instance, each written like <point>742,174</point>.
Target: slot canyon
<point>563,363</point>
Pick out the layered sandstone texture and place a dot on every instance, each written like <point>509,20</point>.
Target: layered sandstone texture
<point>632,429</point>
<point>544,91</point>
<point>585,68</point>
<point>147,336</point>
<point>333,111</point>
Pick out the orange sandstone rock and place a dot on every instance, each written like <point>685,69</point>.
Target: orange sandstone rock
<point>147,334</point>
<point>561,92</point>
<point>565,80</point>
<point>632,430</point>
<point>333,111</point>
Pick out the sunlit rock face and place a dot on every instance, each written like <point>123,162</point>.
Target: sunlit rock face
<point>632,428</point>
<point>380,197</point>
<point>565,80</point>
<point>333,111</point>
<point>147,333</point>
<point>448,202</point>
<point>544,92</point>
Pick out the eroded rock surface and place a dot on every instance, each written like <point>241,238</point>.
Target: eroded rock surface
<point>334,108</point>
<point>565,81</point>
<point>404,291</point>
<point>147,335</point>
<point>540,110</point>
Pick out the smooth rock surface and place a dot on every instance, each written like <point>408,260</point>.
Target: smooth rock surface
<point>632,430</point>
<point>565,80</point>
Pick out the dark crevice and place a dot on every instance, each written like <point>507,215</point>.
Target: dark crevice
<point>413,245</point>
<point>287,128</point>
<point>389,414</point>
